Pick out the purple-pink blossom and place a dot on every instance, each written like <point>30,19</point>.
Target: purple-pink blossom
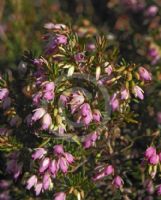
<point>39,153</point>
<point>79,57</point>
<point>150,151</point>
<point>117,182</point>
<point>138,92</point>
<point>3,93</point>
<point>47,181</point>
<point>46,121</point>
<point>96,115</point>
<point>60,196</point>
<point>145,74</point>
<point>54,167</point>
<point>63,164</point>
<point>38,114</point>
<point>109,170</point>
<point>69,157</point>
<point>38,188</point>
<point>77,99</point>
<point>31,182</point>
<point>109,70</point>
<point>151,11</point>
<point>114,102</point>
<point>154,159</point>
<point>124,94</point>
<point>90,140</point>
<point>85,114</point>
<point>44,164</point>
<point>58,149</point>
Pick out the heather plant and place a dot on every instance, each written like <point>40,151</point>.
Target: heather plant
<point>67,123</point>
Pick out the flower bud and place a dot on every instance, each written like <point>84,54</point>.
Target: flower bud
<point>61,39</point>
<point>60,196</point>
<point>124,94</point>
<point>44,165</point>
<point>39,153</point>
<point>3,93</point>
<point>144,74</point>
<point>38,188</point>
<point>49,86</point>
<point>63,165</point>
<point>108,170</point>
<point>138,92</point>
<point>46,181</point>
<point>114,102</point>
<point>54,167</point>
<point>69,157</point>
<point>96,115</point>
<point>154,159</point>
<point>117,182</point>
<point>38,114</point>
<point>79,57</point>
<point>149,152</point>
<point>46,121</point>
<point>32,181</point>
<point>58,149</point>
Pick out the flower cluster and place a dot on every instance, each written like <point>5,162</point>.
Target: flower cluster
<point>68,93</point>
<point>107,171</point>
<point>48,168</point>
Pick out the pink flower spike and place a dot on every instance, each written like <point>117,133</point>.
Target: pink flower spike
<point>39,153</point>
<point>117,182</point>
<point>32,181</point>
<point>44,165</point>
<point>60,196</point>
<point>58,149</point>
<point>38,188</point>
